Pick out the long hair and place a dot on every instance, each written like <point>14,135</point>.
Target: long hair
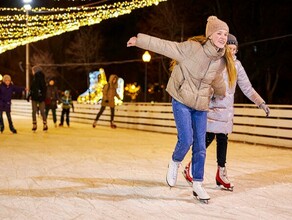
<point>230,65</point>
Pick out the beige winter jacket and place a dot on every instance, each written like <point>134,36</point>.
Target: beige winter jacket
<point>199,67</point>
<point>110,91</point>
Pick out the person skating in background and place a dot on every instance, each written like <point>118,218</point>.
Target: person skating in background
<point>52,100</point>
<point>37,94</point>
<point>220,117</point>
<point>197,67</point>
<point>108,99</point>
<point>67,104</point>
<point>7,89</point>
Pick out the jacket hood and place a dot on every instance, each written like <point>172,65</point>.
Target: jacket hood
<point>111,79</point>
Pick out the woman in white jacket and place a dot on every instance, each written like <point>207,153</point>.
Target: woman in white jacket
<point>220,116</point>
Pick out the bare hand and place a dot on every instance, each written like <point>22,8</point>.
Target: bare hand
<point>132,42</point>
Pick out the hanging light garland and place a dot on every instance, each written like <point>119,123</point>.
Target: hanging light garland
<point>16,28</point>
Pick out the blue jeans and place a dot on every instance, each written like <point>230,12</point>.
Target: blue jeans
<point>191,131</point>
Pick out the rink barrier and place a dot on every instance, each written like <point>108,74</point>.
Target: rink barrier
<point>250,124</point>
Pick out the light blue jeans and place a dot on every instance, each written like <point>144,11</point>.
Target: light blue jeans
<point>191,131</point>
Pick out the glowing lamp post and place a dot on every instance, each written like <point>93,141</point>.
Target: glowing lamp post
<point>27,8</point>
<point>146,59</point>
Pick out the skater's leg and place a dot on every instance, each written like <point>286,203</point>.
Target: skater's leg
<point>47,111</point>
<point>221,140</point>
<point>62,117</point>
<point>112,113</point>
<point>67,117</point>
<point>183,121</point>
<point>188,168</point>
<point>98,115</point>
<point>43,111</point>
<point>54,116</point>
<point>199,120</point>
<point>1,122</point>
<point>221,175</point>
<point>182,117</point>
<point>11,127</point>
<point>34,106</point>
<point>112,117</point>
<point>42,108</point>
<point>209,138</point>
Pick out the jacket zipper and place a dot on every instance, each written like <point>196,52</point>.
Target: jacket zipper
<point>203,78</point>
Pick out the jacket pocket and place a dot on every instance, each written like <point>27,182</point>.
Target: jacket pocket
<point>187,94</point>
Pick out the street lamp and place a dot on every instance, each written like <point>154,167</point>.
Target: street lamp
<point>146,59</point>
<point>27,8</point>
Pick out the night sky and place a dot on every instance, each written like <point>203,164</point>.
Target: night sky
<point>263,29</point>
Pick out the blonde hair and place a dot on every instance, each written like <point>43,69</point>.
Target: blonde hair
<point>6,77</point>
<point>230,65</point>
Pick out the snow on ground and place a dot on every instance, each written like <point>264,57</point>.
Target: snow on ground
<point>102,173</point>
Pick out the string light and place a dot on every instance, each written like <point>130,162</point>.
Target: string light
<point>48,22</point>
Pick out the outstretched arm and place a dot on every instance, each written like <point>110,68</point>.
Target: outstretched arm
<point>170,49</point>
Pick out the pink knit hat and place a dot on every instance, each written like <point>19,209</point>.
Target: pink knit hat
<point>214,24</point>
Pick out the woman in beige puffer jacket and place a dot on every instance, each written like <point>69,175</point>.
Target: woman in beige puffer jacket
<point>196,74</point>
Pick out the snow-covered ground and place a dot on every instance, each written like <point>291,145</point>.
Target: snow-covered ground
<point>102,173</point>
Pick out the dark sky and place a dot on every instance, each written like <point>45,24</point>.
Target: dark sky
<point>263,29</point>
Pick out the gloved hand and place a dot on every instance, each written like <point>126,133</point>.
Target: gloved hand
<point>265,108</point>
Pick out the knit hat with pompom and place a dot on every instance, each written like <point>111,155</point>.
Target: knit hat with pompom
<point>214,24</point>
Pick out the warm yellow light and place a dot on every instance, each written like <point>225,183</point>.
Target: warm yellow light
<point>48,22</point>
<point>27,7</point>
<point>146,56</point>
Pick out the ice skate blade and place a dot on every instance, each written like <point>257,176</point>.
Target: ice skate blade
<point>190,183</point>
<point>168,184</point>
<point>230,189</point>
<point>205,201</point>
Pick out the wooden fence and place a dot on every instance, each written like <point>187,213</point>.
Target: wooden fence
<point>250,123</point>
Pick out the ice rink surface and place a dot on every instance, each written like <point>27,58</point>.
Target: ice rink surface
<point>103,173</point>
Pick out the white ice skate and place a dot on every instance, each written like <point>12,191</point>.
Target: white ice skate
<point>200,193</point>
<point>171,175</point>
<point>222,179</point>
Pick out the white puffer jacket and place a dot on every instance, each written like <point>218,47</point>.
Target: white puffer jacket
<point>220,115</point>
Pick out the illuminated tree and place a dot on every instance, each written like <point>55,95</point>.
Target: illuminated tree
<point>45,59</point>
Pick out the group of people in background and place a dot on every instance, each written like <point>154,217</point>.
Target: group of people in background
<point>43,98</point>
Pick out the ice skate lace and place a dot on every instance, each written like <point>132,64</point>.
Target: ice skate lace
<point>174,169</point>
<point>224,176</point>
